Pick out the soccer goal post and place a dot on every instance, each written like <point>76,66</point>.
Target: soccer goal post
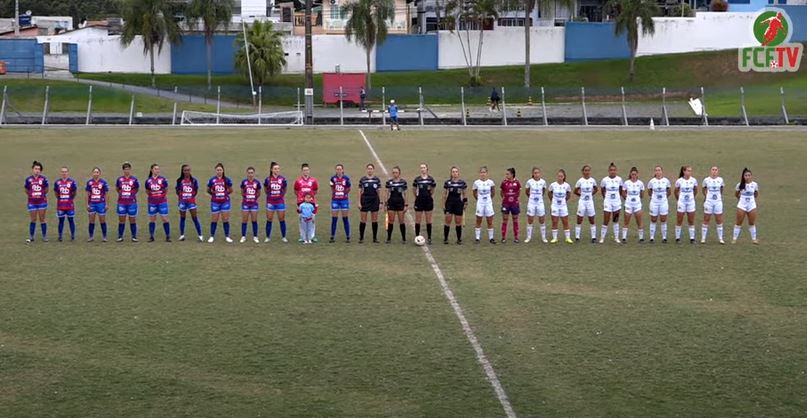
<point>290,118</point>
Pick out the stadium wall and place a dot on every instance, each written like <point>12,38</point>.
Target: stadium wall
<point>798,15</point>
<point>504,46</point>
<point>408,53</point>
<point>101,55</point>
<point>329,51</point>
<point>594,41</point>
<point>705,32</point>
<point>22,55</point>
<point>190,57</point>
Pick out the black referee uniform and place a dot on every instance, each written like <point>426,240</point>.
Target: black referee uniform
<point>370,201</point>
<point>455,205</point>
<point>424,201</point>
<point>396,203</point>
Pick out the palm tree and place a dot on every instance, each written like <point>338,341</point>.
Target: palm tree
<point>629,15</point>
<point>266,56</point>
<point>209,15</point>
<point>544,7</point>
<point>154,21</point>
<point>368,24</point>
<point>461,16</point>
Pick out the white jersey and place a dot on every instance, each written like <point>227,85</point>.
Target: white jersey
<point>483,190</point>
<point>559,193</point>
<point>611,187</point>
<point>747,200</point>
<point>714,188</point>
<point>587,187</point>
<point>634,191</point>
<point>686,189</point>
<point>537,188</point>
<point>659,188</point>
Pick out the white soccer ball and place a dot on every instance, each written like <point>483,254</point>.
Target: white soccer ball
<point>420,241</point>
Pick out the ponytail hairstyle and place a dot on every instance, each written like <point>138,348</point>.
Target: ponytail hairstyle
<point>612,165</point>
<point>182,173</point>
<point>36,164</point>
<point>222,169</point>
<point>151,173</point>
<point>681,172</point>
<point>251,168</point>
<point>126,165</point>
<point>512,171</point>
<point>562,171</point>
<point>451,170</point>
<point>272,166</point>
<point>634,170</point>
<point>582,169</point>
<point>742,177</point>
<point>370,165</point>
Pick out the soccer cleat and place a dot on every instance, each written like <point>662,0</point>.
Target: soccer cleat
<point>182,238</point>
<point>313,240</point>
<point>722,242</point>
<point>624,240</point>
<point>361,241</point>
<point>103,239</point>
<point>151,239</point>
<point>243,240</point>
<point>527,241</point>
<point>332,240</point>
<point>544,240</point>
<point>569,241</point>
<point>733,241</point>
<point>703,241</point>
<point>616,240</point>
<point>256,240</point>
<point>301,241</point>
<point>652,241</point>
<point>134,239</point>
<point>167,239</point>
<point>691,241</point>
<point>211,239</point>
<point>641,240</point>
<point>554,241</point>
<point>602,241</point>
<point>756,242</point>
<point>476,241</point>
<point>387,241</point>
<point>90,239</point>
<point>594,240</point>
<point>445,242</point>
<point>493,241</point>
<point>515,241</point>
<point>504,240</point>
<point>678,240</point>
<point>266,240</point>
<point>44,240</point>
<point>347,240</point>
<point>429,241</point>
<point>228,240</point>
<point>60,239</point>
<point>120,239</point>
<point>664,241</point>
<point>577,239</point>
<point>375,241</point>
<point>284,240</point>
<point>459,242</point>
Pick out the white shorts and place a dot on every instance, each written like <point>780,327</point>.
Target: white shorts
<point>748,205</point>
<point>713,207</point>
<point>585,208</point>
<point>633,207</point>
<point>661,208</point>
<point>611,205</point>
<point>686,206</point>
<point>485,209</point>
<point>536,209</point>
<point>560,211</point>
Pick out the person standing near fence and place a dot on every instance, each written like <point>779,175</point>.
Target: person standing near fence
<point>393,116</point>
<point>362,97</point>
<point>494,100</point>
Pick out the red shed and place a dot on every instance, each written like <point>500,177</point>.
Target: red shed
<point>351,84</point>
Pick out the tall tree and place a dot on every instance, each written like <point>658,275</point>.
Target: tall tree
<point>630,14</point>
<point>545,7</point>
<point>266,56</point>
<point>154,21</point>
<point>462,17</point>
<point>368,24</point>
<point>209,16</point>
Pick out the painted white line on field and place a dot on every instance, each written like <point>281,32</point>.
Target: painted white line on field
<point>481,358</point>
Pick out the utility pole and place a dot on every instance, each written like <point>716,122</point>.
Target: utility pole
<point>309,66</point>
<point>17,18</point>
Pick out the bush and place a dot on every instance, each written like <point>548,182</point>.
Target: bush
<point>676,11</point>
<point>719,6</point>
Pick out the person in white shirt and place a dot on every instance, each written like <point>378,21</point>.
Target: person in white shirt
<point>686,188</point>
<point>658,188</point>
<point>536,187</point>
<point>632,193</point>
<point>747,192</point>
<point>611,188</point>
<point>586,188</point>
<point>713,203</point>
<point>559,193</point>
<point>484,191</point>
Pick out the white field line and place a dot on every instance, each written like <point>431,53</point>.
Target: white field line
<point>481,358</point>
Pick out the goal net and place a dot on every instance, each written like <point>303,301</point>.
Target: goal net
<point>190,117</point>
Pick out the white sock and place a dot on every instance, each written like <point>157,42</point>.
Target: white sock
<point>625,233</point>
<point>753,230</point>
<point>577,231</point>
<point>477,233</point>
<point>704,231</point>
<point>568,233</point>
<point>529,232</point>
<point>593,231</point>
<point>543,232</point>
<point>720,232</point>
<point>652,230</point>
<point>490,233</point>
<point>554,234</point>
<point>664,230</point>
<point>737,229</point>
<point>677,232</point>
<point>691,232</point>
<point>616,230</point>
<point>603,231</point>
<point>641,233</point>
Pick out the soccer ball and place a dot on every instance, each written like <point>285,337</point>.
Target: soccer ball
<point>420,241</point>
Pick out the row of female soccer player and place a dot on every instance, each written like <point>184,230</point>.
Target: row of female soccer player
<point>373,195</point>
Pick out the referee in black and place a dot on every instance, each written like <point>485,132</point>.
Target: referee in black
<point>454,203</point>
<point>423,188</point>
<point>369,201</point>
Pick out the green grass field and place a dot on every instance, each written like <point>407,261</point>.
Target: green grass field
<point>190,329</point>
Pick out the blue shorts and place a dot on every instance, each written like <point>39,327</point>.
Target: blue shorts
<point>511,210</point>
<point>62,213</point>
<point>127,210</point>
<point>161,208</point>
<point>253,207</point>
<point>40,206</point>
<point>343,204</point>
<point>186,206</point>
<point>394,119</point>
<point>219,207</point>
<point>280,207</point>
<point>97,208</point>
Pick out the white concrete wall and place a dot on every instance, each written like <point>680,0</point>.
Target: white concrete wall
<point>103,55</point>
<point>707,31</point>
<point>504,46</point>
<point>253,7</point>
<point>329,50</point>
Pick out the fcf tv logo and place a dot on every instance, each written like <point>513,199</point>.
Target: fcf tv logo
<point>772,29</point>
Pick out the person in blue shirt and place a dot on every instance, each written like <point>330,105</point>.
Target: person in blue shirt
<point>393,116</point>
<point>307,216</point>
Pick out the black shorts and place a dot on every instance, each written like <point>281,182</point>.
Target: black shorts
<point>395,204</point>
<point>424,204</point>
<point>369,204</point>
<point>454,207</point>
